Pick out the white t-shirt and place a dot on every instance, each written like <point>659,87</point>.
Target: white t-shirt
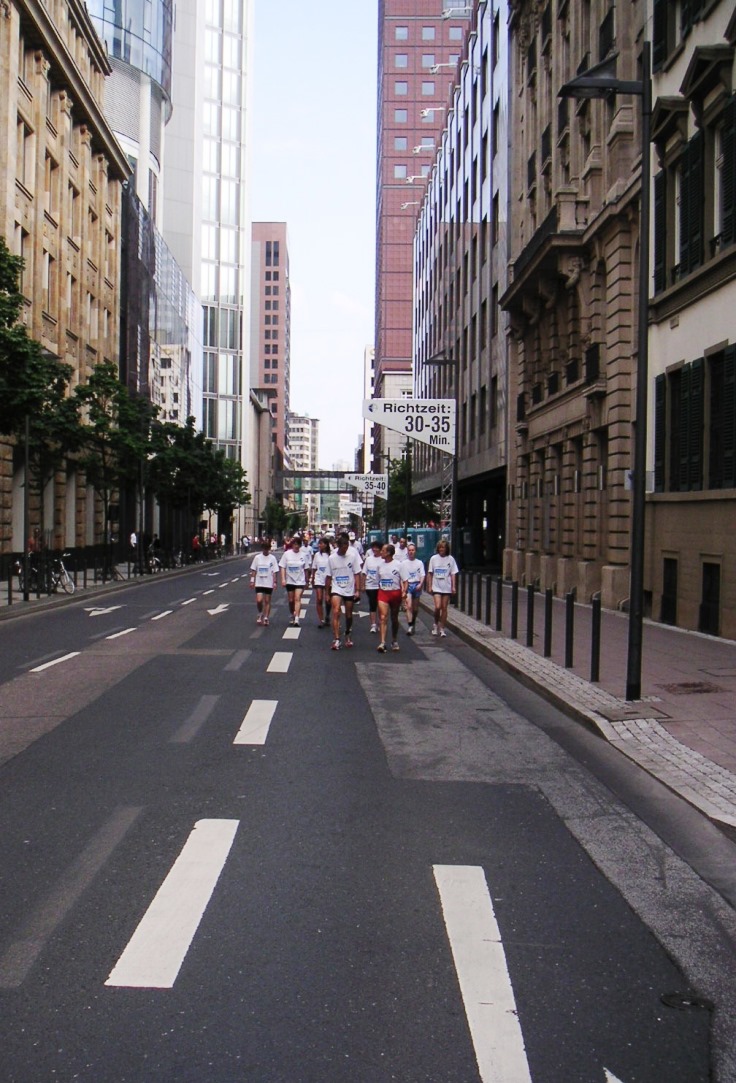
<point>442,569</point>
<point>295,564</point>
<point>264,566</point>
<point>412,572</point>
<point>319,568</point>
<point>401,554</point>
<point>389,575</point>
<point>343,571</point>
<point>371,564</point>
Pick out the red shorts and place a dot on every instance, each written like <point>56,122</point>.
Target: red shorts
<point>391,597</point>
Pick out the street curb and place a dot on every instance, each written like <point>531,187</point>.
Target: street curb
<point>628,745</point>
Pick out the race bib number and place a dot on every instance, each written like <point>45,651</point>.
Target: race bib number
<point>342,580</point>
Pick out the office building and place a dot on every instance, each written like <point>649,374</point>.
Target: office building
<point>419,45</point>
<point>303,442</point>
<point>270,325</point>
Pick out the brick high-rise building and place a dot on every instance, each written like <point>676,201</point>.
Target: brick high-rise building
<point>419,45</point>
<point>270,328</point>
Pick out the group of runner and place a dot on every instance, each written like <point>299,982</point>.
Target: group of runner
<point>392,576</point>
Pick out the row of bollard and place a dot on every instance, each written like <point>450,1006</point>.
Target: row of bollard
<point>475,599</point>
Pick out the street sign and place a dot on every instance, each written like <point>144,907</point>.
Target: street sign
<point>353,508</point>
<point>431,421</point>
<point>369,483</point>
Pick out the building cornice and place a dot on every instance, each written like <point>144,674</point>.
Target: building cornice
<point>87,109</point>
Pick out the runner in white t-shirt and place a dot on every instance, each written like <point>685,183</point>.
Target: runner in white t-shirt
<point>320,562</point>
<point>294,566</point>
<point>343,583</point>
<point>442,583</point>
<point>412,573</point>
<point>390,593</point>
<point>264,572</point>
<point>402,550</point>
<point>371,565</point>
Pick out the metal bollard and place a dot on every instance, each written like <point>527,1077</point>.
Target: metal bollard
<point>548,622</point>
<point>569,628</point>
<point>489,585</point>
<point>479,597</point>
<point>499,603</point>
<point>514,610</point>
<point>463,590</point>
<point>595,639</point>
<point>530,616</point>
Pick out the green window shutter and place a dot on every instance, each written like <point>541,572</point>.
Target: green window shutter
<point>683,464</point>
<point>695,431</point>
<point>728,175</point>
<point>660,231</point>
<point>659,37</point>
<point>674,415</point>
<point>729,417</point>
<point>696,196</point>
<point>715,430</point>
<point>660,431</point>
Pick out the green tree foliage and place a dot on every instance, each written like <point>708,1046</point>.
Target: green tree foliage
<point>274,516</point>
<point>419,509</point>
<point>33,384</point>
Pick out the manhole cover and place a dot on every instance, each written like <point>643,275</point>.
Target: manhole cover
<point>691,688</point>
<point>687,1002</point>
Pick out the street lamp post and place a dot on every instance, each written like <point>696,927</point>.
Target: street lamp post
<point>444,359</point>
<point>601,82</point>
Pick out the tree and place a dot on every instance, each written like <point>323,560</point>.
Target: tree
<point>416,510</point>
<point>34,385</point>
<point>274,517</point>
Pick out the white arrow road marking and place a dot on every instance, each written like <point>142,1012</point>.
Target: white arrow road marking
<point>255,725</point>
<point>610,1077</point>
<point>95,612</point>
<point>280,662</point>
<point>160,616</point>
<point>480,962</point>
<point>159,945</point>
<point>220,609</point>
<point>291,633</point>
<point>55,662</point>
<point>117,635</point>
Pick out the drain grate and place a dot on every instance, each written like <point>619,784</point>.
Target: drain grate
<point>691,688</point>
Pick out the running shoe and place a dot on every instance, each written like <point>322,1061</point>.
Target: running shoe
<point>296,623</point>
<point>336,645</point>
<point>394,646</point>
<point>348,641</point>
<point>443,634</point>
<point>434,630</point>
<point>259,619</point>
<point>381,648</point>
<point>373,629</point>
<point>410,630</point>
<point>265,620</point>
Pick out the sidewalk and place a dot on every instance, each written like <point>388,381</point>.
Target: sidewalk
<point>682,731</point>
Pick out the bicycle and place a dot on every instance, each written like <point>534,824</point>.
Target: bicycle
<point>154,563</point>
<point>33,577</point>
<point>60,577</point>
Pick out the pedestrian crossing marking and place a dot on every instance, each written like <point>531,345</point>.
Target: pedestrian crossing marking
<point>480,962</point>
<point>255,726</point>
<point>158,947</point>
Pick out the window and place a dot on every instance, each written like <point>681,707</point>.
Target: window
<point>428,89</point>
<point>401,89</point>
<point>401,60</point>
<point>401,142</point>
<point>679,423</point>
<point>428,33</point>
<point>428,60</point>
<point>401,116</point>
<point>456,33</point>
<point>401,33</point>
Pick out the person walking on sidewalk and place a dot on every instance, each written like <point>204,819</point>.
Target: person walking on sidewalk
<point>264,573</point>
<point>371,564</point>
<point>390,595</point>
<point>294,566</point>
<point>343,583</point>
<point>320,562</point>
<point>412,579</point>
<point>442,576</point>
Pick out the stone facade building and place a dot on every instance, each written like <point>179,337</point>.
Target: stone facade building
<point>60,193</point>
<point>571,299</point>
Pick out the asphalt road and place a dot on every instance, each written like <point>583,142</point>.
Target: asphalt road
<point>226,855</point>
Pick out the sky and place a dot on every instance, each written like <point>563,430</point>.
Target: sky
<point>313,154</point>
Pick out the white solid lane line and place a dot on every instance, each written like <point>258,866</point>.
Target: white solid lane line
<point>117,635</point>
<point>291,633</point>
<point>159,945</point>
<point>55,662</point>
<point>480,962</point>
<point>255,725</point>
<point>280,662</point>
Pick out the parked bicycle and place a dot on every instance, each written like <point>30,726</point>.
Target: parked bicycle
<point>49,578</point>
<point>154,563</point>
<point>60,577</point>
